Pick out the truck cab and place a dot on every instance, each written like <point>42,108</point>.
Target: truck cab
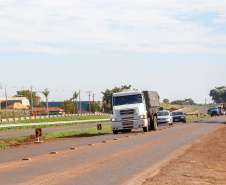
<point>129,111</point>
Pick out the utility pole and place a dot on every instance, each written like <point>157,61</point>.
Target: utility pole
<point>0,96</point>
<point>6,97</point>
<point>89,102</point>
<point>31,101</point>
<point>93,98</point>
<point>80,107</point>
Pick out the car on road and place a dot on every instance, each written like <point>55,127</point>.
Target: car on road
<point>165,116</point>
<point>179,116</point>
<point>214,111</point>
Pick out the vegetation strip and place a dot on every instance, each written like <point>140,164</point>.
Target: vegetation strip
<point>196,117</point>
<point>192,111</point>
<point>9,143</point>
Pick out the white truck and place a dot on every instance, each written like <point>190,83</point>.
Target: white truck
<point>134,109</point>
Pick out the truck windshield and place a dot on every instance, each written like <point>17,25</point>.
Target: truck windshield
<point>131,99</point>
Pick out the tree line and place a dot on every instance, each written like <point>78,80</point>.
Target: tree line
<point>218,95</point>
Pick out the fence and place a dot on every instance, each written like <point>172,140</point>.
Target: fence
<point>52,123</point>
<point>50,116</point>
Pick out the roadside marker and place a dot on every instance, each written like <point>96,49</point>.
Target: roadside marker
<point>73,148</point>
<point>54,153</point>
<point>104,141</point>
<point>90,144</point>
<point>26,159</point>
<point>99,127</point>
<point>38,132</point>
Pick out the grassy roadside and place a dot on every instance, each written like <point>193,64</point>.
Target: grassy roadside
<point>169,106</point>
<point>192,111</point>
<point>14,142</point>
<point>196,117</point>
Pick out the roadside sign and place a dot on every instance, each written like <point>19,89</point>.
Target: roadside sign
<point>38,132</point>
<point>99,127</point>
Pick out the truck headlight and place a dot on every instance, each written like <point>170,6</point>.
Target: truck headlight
<point>142,117</point>
<point>113,119</point>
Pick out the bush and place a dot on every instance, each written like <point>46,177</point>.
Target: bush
<point>13,114</point>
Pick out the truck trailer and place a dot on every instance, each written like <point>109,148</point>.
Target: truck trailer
<point>134,109</point>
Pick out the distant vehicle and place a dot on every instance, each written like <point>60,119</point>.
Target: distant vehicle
<point>134,109</point>
<point>214,111</point>
<point>165,116</point>
<point>179,116</point>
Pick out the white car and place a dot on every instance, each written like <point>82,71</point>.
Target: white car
<point>165,116</point>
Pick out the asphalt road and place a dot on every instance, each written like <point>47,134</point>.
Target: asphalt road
<point>201,110</point>
<point>123,161</point>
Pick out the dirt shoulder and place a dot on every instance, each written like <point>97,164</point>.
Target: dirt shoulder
<point>203,163</point>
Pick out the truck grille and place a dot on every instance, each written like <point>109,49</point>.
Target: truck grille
<point>128,111</point>
<point>127,123</point>
<point>127,118</point>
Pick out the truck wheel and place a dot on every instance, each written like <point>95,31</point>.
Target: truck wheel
<point>145,129</point>
<point>115,131</point>
<point>154,123</point>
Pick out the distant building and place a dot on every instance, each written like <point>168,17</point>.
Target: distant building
<point>23,100</point>
<point>53,110</point>
<point>17,106</point>
<point>84,104</point>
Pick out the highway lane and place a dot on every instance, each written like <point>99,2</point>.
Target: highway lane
<point>9,155</point>
<point>115,162</point>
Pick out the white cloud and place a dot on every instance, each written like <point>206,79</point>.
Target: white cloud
<point>143,26</point>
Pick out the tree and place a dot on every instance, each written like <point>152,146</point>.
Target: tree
<point>177,102</point>
<point>74,98</point>
<point>108,96</point>
<point>68,106</point>
<point>46,94</point>
<point>218,94</point>
<point>95,107</point>
<point>166,101</point>
<point>188,101</point>
<point>26,93</point>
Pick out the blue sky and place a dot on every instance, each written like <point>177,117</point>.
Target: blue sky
<point>176,48</point>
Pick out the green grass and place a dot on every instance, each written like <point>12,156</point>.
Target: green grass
<point>72,118</point>
<point>196,117</point>
<point>13,142</point>
<point>192,111</point>
<point>4,146</point>
<point>9,143</point>
<point>169,106</point>
<point>71,133</point>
